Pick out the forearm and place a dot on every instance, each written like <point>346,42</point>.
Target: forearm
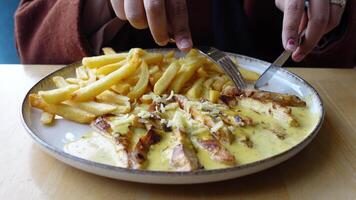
<point>60,31</point>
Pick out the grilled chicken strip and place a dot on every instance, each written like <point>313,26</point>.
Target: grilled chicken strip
<point>264,96</point>
<point>122,141</point>
<point>281,113</point>
<point>183,157</point>
<point>217,151</point>
<point>224,136</point>
<point>142,147</point>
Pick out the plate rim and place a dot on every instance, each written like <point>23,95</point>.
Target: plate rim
<point>296,148</point>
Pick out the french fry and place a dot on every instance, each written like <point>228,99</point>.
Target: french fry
<point>65,111</point>
<point>185,73</point>
<point>155,77</point>
<point>94,107</point>
<point>122,102</point>
<point>81,73</point>
<point>249,75</point>
<point>121,88</point>
<point>139,89</point>
<point>99,61</point>
<point>59,81</point>
<point>193,53</point>
<point>201,72</point>
<point>58,95</point>
<point>170,54</point>
<point>195,92</point>
<point>47,118</point>
<point>107,69</point>
<point>153,58</point>
<point>92,77</point>
<point>108,50</point>
<point>214,96</point>
<point>163,83</point>
<point>90,91</point>
<point>111,97</point>
<point>153,69</point>
<point>210,81</point>
<point>213,67</point>
<point>218,83</point>
<point>75,81</point>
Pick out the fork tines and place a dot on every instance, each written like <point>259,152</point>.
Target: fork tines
<point>228,66</point>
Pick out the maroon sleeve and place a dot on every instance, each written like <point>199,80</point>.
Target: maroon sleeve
<point>63,31</point>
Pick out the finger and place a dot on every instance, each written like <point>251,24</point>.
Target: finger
<point>303,23</point>
<point>293,13</point>
<point>118,6</point>
<point>335,17</point>
<point>178,20</point>
<point>135,13</point>
<point>318,21</point>
<point>157,20</point>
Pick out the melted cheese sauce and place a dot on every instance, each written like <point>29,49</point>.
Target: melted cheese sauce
<point>95,147</point>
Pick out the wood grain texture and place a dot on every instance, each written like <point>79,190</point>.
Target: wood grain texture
<point>325,169</point>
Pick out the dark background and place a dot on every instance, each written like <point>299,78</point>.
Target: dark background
<point>8,54</point>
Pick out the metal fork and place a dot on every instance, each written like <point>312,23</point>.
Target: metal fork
<point>224,61</point>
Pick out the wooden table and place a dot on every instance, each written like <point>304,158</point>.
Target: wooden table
<point>326,169</point>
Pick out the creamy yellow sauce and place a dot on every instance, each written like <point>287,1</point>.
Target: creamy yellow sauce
<point>96,147</point>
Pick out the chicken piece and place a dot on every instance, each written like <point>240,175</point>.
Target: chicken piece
<point>217,151</point>
<point>265,96</point>
<point>223,135</point>
<point>281,113</point>
<point>282,99</point>
<point>142,147</point>
<point>183,157</point>
<point>122,141</point>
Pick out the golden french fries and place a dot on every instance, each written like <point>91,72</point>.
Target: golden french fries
<point>81,73</point>
<point>163,83</point>
<point>214,95</point>
<point>100,83</point>
<point>90,91</point>
<point>139,89</point>
<point>153,70</point>
<point>94,107</point>
<point>185,73</point>
<point>121,102</point>
<point>152,58</point>
<point>108,50</point>
<point>58,95</point>
<point>47,118</point>
<point>107,69</point>
<point>195,92</point>
<point>59,81</point>
<point>65,111</point>
<point>99,61</point>
<point>121,88</point>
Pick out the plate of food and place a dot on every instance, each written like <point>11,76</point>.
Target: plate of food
<point>161,116</point>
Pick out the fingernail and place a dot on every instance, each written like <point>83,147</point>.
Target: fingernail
<point>184,44</point>
<point>291,45</point>
<point>163,43</point>
<point>299,57</point>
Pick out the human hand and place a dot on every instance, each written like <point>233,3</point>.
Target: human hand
<point>163,18</point>
<point>321,18</point>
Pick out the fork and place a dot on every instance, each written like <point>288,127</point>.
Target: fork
<point>223,60</point>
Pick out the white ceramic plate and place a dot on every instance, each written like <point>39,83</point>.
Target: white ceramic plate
<point>52,139</point>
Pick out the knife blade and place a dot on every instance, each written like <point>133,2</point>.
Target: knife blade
<point>272,69</point>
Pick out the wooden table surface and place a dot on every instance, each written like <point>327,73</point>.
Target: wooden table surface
<point>325,169</point>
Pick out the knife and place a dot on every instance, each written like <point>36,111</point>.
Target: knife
<point>272,69</point>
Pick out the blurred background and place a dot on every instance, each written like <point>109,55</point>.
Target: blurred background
<point>8,53</point>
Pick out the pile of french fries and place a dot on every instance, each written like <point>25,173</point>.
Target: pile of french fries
<point>112,83</point>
